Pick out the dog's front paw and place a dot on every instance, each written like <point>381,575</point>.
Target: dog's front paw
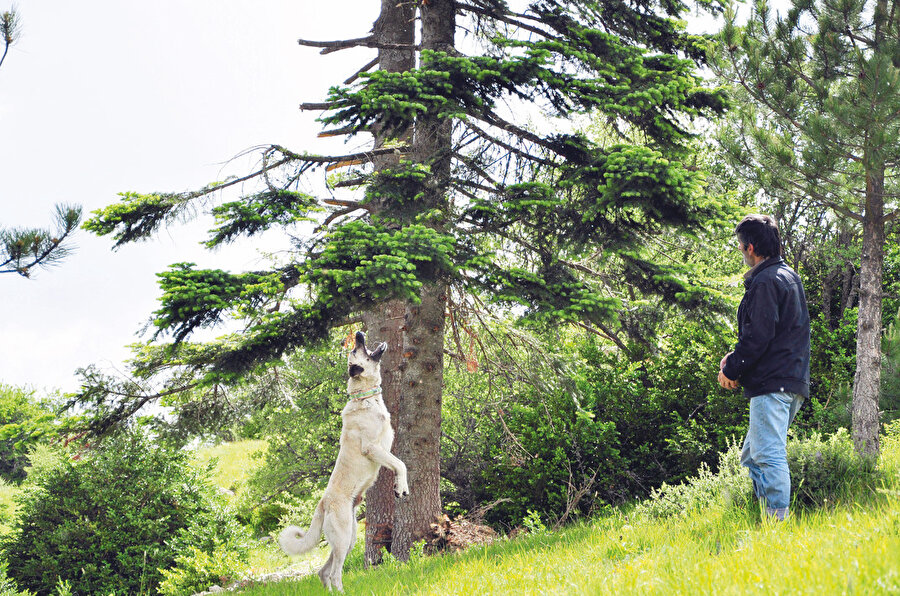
<point>401,490</point>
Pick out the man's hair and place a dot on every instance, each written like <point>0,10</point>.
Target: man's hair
<point>762,232</point>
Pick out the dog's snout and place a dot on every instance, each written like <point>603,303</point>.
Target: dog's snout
<point>355,370</point>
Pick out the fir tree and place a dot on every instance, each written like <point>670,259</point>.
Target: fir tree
<point>474,198</point>
<point>819,122</point>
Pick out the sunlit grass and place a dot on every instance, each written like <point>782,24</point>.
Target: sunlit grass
<point>235,462</point>
<point>848,547</point>
<point>7,505</point>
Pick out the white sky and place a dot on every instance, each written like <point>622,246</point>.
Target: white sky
<point>106,96</point>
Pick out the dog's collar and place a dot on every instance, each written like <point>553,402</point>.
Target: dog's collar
<point>365,394</point>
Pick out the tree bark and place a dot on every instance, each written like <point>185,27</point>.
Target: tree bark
<point>395,25</point>
<point>419,425</point>
<point>867,381</point>
<point>385,324</point>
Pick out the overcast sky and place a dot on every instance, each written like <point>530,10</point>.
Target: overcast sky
<point>106,96</point>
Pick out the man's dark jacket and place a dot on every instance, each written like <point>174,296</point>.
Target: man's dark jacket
<point>772,352</point>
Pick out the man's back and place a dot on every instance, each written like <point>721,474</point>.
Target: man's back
<point>772,353</point>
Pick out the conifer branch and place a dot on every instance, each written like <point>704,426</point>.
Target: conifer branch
<point>365,156</point>
<point>503,17</point>
<point>484,135</point>
<point>498,122</point>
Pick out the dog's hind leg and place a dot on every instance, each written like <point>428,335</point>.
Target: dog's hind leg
<point>340,529</point>
<point>325,571</point>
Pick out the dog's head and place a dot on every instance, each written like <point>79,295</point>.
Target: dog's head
<point>362,363</point>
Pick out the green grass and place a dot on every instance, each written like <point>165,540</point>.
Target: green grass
<point>852,546</point>
<point>234,462</point>
<point>848,549</point>
<point>7,506</point>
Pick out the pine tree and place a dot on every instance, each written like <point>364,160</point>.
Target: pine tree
<point>819,122</point>
<point>474,200</point>
<point>10,27</point>
<point>23,249</point>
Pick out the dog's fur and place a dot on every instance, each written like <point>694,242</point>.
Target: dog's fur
<point>366,439</point>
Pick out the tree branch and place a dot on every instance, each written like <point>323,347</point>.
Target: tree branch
<point>372,64</point>
<point>359,42</point>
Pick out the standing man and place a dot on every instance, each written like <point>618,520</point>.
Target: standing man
<point>770,360</point>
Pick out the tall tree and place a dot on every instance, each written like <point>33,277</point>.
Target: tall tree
<point>819,122</point>
<point>478,201</point>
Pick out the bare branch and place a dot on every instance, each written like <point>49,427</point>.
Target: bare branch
<point>372,64</point>
<point>359,42</point>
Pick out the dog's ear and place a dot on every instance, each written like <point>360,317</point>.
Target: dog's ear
<point>360,340</point>
<point>379,351</point>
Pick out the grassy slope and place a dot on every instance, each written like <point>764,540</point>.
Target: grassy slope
<point>848,548</point>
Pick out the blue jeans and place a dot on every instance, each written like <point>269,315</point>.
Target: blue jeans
<point>765,453</point>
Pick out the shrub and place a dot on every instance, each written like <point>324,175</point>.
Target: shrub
<point>609,431</point>
<point>107,520</point>
<point>823,471</point>
<point>730,486</point>
<point>827,470</point>
<point>196,570</point>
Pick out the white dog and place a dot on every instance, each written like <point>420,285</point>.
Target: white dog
<point>366,438</point>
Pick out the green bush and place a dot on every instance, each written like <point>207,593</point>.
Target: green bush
<point>609,431</point>
<point>823,471</point>
<point>729,487</point>
<point>196,570</point>
<point>106,520</point>
<point>826,470</point>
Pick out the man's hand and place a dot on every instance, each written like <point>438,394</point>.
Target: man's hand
<point>724,381</point>
<point>727,383</point>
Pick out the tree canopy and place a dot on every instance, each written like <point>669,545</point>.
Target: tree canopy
<point>525,218</point>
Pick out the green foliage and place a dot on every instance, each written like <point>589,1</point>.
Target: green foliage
<point>196,570</point>
<point>24,420</point>
<point>108,519</point>
<point>260,212</point>
<point>728,487</point>
<point>611,429</point>
<point>824,471</point>
<point>199,298</point>
<point>890,375</point>
<point>22,249</point>
<point>832,366</point>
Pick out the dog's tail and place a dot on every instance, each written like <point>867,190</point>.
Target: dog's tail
<point>294,541</point>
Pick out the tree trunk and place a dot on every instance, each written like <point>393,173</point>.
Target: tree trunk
<point>395,25</point>
<point>419,426</point>
<point>385,324</point>
<point>867,381</point>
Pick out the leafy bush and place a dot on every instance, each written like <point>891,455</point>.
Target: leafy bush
<point>730,486</point>
<point>196,570</point>
<point>108,519</point>
<point>608,431</point>
<point>827,470</point>
<point>823,471</point>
